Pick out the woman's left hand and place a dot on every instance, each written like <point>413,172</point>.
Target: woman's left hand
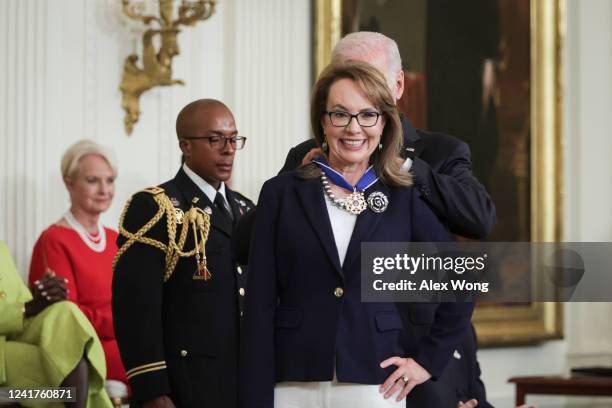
<point>407,375</point>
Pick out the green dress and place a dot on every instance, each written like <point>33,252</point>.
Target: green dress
<point>42,350</point>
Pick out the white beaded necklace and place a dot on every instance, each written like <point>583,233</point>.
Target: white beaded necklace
<point>336,202</point>
<point>95,243</point>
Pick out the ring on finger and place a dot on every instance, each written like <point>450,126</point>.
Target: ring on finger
<point>405,379</point>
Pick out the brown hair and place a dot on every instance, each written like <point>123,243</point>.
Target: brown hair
<point>386,161</point>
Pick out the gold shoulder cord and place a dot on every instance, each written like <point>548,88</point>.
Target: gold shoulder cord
<point>195,217</point>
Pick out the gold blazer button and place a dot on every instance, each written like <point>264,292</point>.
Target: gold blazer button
<point>338,292</point>
<point>183,353</point>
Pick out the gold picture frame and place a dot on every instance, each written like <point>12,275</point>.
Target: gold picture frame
<point>513,324</point>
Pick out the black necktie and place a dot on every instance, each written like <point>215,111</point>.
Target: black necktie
<point>220,204</point>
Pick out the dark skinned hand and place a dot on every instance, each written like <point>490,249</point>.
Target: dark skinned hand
<point>46,291</point>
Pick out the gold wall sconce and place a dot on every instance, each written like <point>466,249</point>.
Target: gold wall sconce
<point>156,62</point>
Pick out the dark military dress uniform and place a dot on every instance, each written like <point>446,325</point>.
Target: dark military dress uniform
<point>177,331</point>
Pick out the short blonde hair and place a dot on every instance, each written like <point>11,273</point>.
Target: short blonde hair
<point>72,156</point>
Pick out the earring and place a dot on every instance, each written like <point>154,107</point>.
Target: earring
<point>380,146</point>
<point>324,145</point>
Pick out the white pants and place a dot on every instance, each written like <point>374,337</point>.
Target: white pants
<point>331,394</point>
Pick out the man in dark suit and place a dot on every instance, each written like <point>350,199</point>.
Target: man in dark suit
<point>175,292</point>
<point>442,170</point>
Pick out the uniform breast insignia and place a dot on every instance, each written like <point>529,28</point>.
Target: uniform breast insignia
<point>208,210</point>
<point>153,190</point>
<point>244,204</point>
<point>241,203</point>
<point>175,202</point>
<point>195,221</point>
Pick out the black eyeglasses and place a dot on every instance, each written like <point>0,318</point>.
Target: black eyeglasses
<point>343,119</point>
<point>219,142</point>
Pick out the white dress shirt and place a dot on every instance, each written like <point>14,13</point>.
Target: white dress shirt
<point>206,188</point>
<point>343,224</point>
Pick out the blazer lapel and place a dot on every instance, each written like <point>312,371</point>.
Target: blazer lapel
<point>190,190</point>
<point>313,202</point>
<point>364,227</point>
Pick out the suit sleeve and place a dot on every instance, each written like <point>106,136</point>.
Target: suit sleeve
<point>51,251</point>
<point>257,375</point>
<point>296,155</point>
<point>137,303</point>
<point>455,195</point>
<point>291,161</point>
<point>452,319</point>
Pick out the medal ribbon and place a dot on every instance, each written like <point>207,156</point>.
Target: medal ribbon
<point>364,182</point>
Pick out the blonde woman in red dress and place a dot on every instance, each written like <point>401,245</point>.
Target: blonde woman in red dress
<point>78,248</point>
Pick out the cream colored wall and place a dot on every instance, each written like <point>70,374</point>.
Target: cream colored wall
<point>60,68</point>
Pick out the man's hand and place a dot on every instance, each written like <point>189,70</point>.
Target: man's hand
<point>160,402</point>
<point>407,375</point>
<point>311,155</point>
<point>46,291</point>
<point>469,404</point>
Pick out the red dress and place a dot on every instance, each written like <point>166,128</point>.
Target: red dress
<point>89,276</point>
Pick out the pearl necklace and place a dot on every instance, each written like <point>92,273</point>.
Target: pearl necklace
<point>95,243</point>
<point>336,202</point>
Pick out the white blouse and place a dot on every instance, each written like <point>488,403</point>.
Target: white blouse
<point>343,224</point>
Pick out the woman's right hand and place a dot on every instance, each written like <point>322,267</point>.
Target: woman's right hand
<point>46,291</point>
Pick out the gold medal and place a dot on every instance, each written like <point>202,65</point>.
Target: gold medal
<point>355,203</point>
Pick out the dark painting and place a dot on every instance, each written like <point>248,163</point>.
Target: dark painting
<point>467,66</point>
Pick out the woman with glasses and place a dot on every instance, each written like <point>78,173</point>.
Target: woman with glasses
<point>307,338</point>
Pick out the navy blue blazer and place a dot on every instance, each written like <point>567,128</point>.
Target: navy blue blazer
<point>299,327</point>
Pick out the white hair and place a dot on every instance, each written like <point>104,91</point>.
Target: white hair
<point>72,156</point>
<point>356,45</point>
